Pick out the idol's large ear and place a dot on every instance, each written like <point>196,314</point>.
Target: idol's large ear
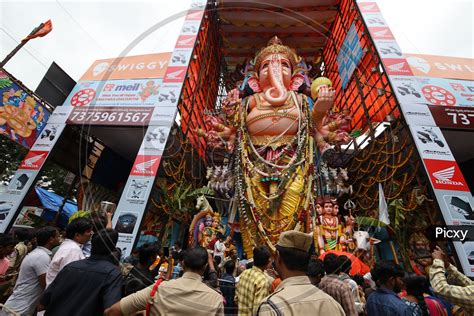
<point>296,81</point>
<point>254,84</point>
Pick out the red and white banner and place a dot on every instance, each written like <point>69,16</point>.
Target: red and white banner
<point>145,165</point>
<point>444,96</point>
<point>130,210</point>
<point>34,160</point>
<point>397,67</point>
<point>445,175</point>
<point>381,33</point>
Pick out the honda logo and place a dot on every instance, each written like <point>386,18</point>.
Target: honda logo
<point>175,74</point>
<point>397,67</point>
<point>445,176</point>
<point>34,160</point>
<point>146,165</point>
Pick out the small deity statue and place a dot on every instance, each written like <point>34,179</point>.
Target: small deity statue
<point>209,228</point>
<point>331,231</point>
<point>420,254</point>
<point>319,206</point>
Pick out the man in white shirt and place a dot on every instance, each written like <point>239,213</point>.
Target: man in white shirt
<point>78,232</point>
<point>32,277</point>
<point>219,247</point>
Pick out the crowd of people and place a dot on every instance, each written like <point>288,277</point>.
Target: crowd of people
<point>80,272</point>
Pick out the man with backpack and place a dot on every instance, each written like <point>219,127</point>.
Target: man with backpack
<point>140,276</point>
<point>187,295</point>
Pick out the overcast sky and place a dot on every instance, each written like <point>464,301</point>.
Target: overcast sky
<point>84,31</point>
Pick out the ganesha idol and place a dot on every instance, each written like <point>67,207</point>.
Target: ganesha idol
<point>273,141</point>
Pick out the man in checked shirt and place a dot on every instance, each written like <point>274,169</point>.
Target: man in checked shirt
<point>461,294</point>
<point>253,285</point>
<point>337,289</point>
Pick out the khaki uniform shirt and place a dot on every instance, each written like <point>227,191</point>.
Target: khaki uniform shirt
<point>297,296</point>
<point>21,250</point>
<point>184,296</point>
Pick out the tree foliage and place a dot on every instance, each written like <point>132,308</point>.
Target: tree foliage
<point>11,154</point>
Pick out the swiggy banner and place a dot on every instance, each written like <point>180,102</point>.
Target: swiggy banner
<point>128,67</point>
<point>441,66</point>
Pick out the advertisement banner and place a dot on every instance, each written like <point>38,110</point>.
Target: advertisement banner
<point>155,140</point>
<point>48,137</point>
<point>175,74</point>
<point>131,208</point>
<point>465,252</point>
<point>60,114</point>
<point>190,28</point>
<point>22,118</point>
<point>145,165</point>
<point>388,49</point>
<point>34,160</point>
<point>428,102</point>
<point>457,206</point>
<point>186,41</point>
<point>128,67</point>
<point>431,143</point>
<point>417,114</point>
<point>381,33</point>
<point>458,209</point>
<point>374,19</point>
<point>368,7</point>
<point>26,174</point>
<point>447,92</point>
<point>128,217</point>
<point>112,116</point>
<point>434,91</point>
<point>397,67</point>
<point>453,117</point>
<point>349,56</point>
<point>445,175</point>
<point>180,57</point>
<point>138,92</point>
<point>441,66</point>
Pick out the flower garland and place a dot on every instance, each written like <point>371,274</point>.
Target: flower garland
<point>249,162</point>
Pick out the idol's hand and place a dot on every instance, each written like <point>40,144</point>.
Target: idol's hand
<point>325,99</point>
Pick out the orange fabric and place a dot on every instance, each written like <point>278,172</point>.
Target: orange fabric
<point>358,267</point>
<point>275,283</point>
<point>47,27</point>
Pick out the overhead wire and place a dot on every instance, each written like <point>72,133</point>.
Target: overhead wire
<point>80,26</point>
<point>25,49</point>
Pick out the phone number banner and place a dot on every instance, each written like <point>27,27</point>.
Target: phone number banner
<point>128,116</point>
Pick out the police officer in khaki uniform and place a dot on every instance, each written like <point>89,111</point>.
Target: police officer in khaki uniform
<point>187,295</point>
<point>296,295</point>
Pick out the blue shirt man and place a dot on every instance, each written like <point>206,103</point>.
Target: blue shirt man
<point>385,301</point>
